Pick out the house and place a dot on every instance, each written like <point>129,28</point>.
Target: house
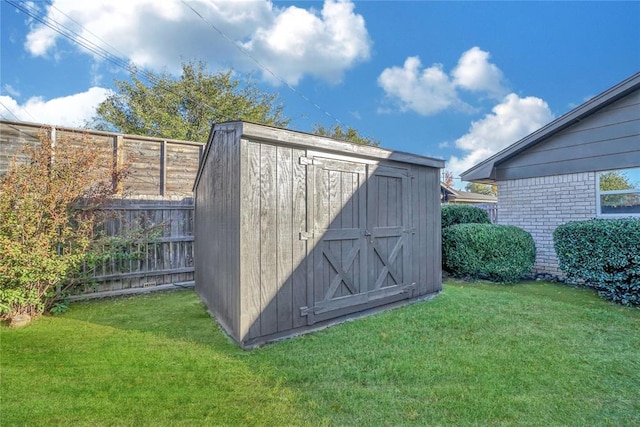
<point>487,202</point>
<point>450,195</point>
<point>562,172</point>
<point>296,231</point>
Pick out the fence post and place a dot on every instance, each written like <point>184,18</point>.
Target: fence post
<point>117,161</point>
<point>163,168</point>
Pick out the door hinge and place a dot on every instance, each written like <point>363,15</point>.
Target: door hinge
<point>309,161</point>
<point>409,288</point>
<point>305,311</point>
<point>305,235</point>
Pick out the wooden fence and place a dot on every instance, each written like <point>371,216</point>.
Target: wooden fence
<point>151,247</point>
<point>492,210</point>
<point>156,205</point>
<point>157,168</point>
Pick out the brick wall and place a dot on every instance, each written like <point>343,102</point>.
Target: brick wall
<point>539,205</point>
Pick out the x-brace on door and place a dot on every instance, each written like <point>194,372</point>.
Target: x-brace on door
<point>358,232</point>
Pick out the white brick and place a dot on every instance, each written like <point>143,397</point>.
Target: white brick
<point>539,205</point>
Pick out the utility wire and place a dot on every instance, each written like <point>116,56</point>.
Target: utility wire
<point>53,6</point>
<point>105,54</point>
<point>10,112</point>
<point>259,63</point>
<point>101,52</point>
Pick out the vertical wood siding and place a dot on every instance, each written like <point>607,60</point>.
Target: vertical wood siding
<point>273,276</point>
<point>217,230</point>
<point>302,235</point>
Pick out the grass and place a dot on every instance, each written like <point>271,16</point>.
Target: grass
<point>478,354</point>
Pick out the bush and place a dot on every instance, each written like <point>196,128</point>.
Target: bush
<point>502,253</point>
<point>603,254</point>
<point>463,214</point>
<point>48,208</point>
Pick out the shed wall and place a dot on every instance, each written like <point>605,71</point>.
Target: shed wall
<point>427,240</point>
<point>290,238</point>
<point>218,235</point>
<point>273,273</point>
<point>608,139</point>
<point>278,268</point>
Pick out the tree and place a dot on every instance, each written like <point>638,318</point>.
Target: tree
<point>614,180</point>
<point>345,134</point>
<point>48,209</point>
<point>185,108</point>
<point>486,189</point>
<point>447,179</point>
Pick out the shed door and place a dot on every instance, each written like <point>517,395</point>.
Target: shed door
<point>359,257</point>
<point>388,228</point>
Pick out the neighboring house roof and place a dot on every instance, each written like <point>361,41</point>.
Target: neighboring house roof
<point>449,195</point>
<point>485,171</point>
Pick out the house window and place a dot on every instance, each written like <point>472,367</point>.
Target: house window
<point>618,192</point>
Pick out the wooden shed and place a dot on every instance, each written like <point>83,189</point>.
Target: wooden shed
<point>295,231</point>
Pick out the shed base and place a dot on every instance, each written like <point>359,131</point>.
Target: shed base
<point>279,336</point>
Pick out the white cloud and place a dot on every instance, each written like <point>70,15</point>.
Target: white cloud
<point>431,90</point>
<point>323,45</point>
<point>73,110</point>
<point>425,91</point>
<point>509,121</point>
<point>292,42</point>
<point>474,72</point>
<point>11,90</point>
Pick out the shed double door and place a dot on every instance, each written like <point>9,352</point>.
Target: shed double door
<point>358,226</point>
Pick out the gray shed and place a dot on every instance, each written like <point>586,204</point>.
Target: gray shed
<point>296,231</point>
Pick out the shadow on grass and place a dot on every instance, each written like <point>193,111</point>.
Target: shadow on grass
<point>479,353</point>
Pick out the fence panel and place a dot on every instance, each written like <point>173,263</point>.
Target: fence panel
<point>155,211</point>
<point>492,210</point>
<point>154,247</point>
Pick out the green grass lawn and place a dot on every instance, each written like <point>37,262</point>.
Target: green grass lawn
<point>478,354</point>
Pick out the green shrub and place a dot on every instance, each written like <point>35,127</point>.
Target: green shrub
<point>463,214</point>
<point>502,253</point>
<point>48,209</point>
<point>603,254</point>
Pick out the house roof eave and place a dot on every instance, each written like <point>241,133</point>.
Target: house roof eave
<point>485,171</point>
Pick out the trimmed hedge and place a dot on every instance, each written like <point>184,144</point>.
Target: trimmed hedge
<point>463,214</point>
<point>603,254</point>
<point>501,253</point>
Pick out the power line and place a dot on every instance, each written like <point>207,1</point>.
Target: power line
<point>10,112</point>
<point>53,6</point>
<point>101,52</point>
<point>260,64</point>
<point>104,53</point>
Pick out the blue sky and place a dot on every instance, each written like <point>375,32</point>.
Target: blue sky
<point>453,80</point>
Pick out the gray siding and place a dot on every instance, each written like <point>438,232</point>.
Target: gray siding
<point>217,243</point>
<point>272,275</point>
<point>290,238</point>
<point>608,139</point>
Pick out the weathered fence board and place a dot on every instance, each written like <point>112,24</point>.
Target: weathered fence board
<point>156,246</point>
<point>158,168</point>
<point>155,197</point>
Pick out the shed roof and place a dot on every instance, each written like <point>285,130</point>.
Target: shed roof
<point>266,133</point>
<point>485,171</point>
